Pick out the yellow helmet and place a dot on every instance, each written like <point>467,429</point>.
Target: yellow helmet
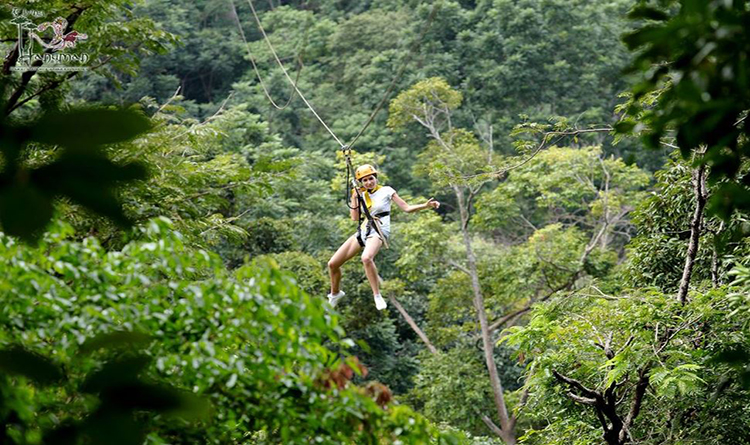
<point>364,170</point>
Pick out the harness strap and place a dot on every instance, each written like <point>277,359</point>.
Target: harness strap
<point>369,228</point>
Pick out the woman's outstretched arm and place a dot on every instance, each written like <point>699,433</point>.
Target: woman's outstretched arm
<point>414,208</point>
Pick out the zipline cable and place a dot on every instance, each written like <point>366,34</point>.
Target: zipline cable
<point>281,65</point>
<point>255,66</point>
<point>346,148</point>
<point>382,101</point>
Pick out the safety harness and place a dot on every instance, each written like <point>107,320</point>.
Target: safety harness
<point>363,204</point>
<point>373,221</point>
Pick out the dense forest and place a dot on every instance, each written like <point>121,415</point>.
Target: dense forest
<point>175,177</point>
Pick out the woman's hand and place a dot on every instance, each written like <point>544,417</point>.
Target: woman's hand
<point>432,203</point>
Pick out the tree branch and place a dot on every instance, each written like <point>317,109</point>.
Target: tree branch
<point>573,383</point>
<point>48,87</point>
<point>504,319</point>
<point>491,425</point>
<point>413,325</point>
<point>11,59</point>
<point>177,91</point>
<point>229,186</point>
<point>699,187</point>
<point>459,267</point>
<point>635,406</point>
<point>579,399</point>
<point>540,147</point>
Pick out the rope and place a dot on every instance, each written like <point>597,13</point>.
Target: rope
<point>281,65</point>
<point>349,180</point>
<point>380,104</point>
<point>255,66</point>
<point>346,148</point>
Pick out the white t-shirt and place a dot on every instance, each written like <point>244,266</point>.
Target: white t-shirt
<point>381,202</point>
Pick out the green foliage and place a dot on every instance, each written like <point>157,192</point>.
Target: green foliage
<point>601,340</point>
<point>78,169</point>
<point>432,93</point>
<point>451,387</point>
<point>696,59</point>
<point>389,359</point>
<point>211,178</point>
<point>576,186</point>
<point>450,314</point>
<point>736,355</point>
<point>550,261</point>
<point>307,270</point>
<point>266,235</point>
<point>423,246</point>
<point>453,157</point>
<point>252,343</point>
<point>116,386</point>
<point>682,379</point>
<point>448,388</point>
<point>18,361</point>
<point>454,161</point>
<point>657,253</point>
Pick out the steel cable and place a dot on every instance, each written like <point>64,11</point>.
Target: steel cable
<point>281,65</point>
<point>255,66</point>
<point>380,104</point>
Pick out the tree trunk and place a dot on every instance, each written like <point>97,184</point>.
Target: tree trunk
<point>616,430</point>
<point>506,424</point>
<point>699,186</point>
<point>413,325</point>
<point>715,258</point>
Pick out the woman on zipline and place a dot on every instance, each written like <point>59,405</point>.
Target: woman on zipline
<point>378,201</point>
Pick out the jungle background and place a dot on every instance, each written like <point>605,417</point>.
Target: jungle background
<point>166,227</point>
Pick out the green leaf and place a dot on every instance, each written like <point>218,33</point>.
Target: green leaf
<point>647,13</point>
<point>139,395</point>
<point>40,369</point>
<point>24,211</point>
<point>645,36</point>
<point>116,373</point>
<point>624,126</point>
<point>89,180</point>
<point>89,127</point>
<point>733,357</point>
<point>112,340</point>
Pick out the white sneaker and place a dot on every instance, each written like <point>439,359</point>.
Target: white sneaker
<point>333,299</point>
<point>380,302</point>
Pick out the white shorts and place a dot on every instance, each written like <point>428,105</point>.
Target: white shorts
<point>374,233</point>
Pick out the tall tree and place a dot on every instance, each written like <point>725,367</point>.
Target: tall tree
<point>453,154</point>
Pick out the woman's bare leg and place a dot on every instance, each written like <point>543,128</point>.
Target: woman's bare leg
<point>344,254</point>
<point>372,247</point>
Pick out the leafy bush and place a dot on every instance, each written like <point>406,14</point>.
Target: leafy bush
<point>252,343</point>
<point>608,345</point>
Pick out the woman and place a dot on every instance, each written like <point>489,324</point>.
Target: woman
<point>378,200</point>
